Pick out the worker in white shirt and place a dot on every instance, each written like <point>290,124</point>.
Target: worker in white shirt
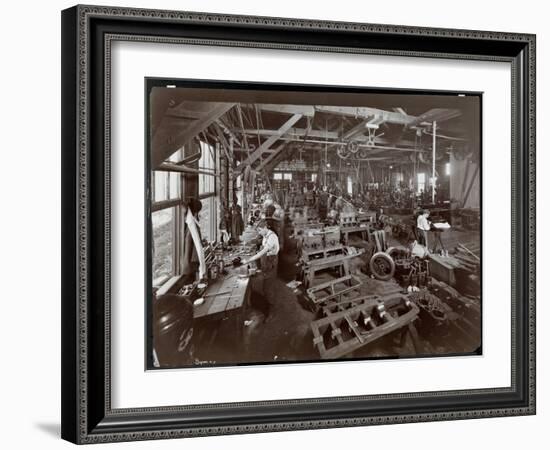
<point>423,226</point>
<point>268,255</point>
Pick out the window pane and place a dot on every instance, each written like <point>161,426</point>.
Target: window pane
<point>208,219</point>
<point>161,186</point>
<point>207,162</point>
<point>163,237</point>
<point>175,180</point>
<point>277,176</point>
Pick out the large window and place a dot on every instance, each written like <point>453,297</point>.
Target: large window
<point>207,163</point>
<point>163,244</point>
<point>166,190</point>
<point>167,185</point>
<point>208,217</point>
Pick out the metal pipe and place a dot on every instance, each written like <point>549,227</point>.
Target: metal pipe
<point>168,167</point>
<point>332,143</point>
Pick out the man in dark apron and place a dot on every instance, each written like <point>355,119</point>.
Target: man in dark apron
<point>268,256</point>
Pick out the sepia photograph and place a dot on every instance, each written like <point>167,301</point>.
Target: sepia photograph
<point>302,223</point>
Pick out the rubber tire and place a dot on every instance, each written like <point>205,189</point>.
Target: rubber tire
<point>388,259</point>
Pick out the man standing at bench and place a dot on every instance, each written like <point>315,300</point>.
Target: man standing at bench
<point>423,226</point>
<point>268,255</point>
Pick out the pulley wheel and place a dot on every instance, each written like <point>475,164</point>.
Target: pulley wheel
<point>353,147</point>
<point>343,153</point>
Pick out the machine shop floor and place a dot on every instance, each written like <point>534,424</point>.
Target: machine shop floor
<point>287,335</point>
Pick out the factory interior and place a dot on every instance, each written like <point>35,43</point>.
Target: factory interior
<point>306,225</point>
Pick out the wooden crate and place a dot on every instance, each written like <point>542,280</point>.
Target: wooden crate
<point>344,332</point>
<point>333,289</point>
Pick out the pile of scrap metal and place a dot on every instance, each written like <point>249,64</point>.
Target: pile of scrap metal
<point>445,313</point>
<point>411,272</point>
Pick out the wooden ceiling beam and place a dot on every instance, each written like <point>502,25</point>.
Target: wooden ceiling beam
<point>356,130</point>
<point>173,133</point>
<point>293,132</point>
<point>265,147</point>
<point>437,114</point>
<point>304,110</point>
<point>367,113</point>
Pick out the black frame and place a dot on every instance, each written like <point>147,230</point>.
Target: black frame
<point>87,32</point>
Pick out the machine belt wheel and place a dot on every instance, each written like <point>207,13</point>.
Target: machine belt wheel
<point>382,266</point>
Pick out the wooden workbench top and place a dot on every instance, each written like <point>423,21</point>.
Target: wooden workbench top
<point>223,295</point>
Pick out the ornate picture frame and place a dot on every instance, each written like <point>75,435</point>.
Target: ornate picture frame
<point>87,35</point>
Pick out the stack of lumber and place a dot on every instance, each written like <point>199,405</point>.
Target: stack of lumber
<point>468,257</point>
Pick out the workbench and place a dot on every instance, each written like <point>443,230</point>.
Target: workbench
<point>226,298</point>
<point>443,268</point>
